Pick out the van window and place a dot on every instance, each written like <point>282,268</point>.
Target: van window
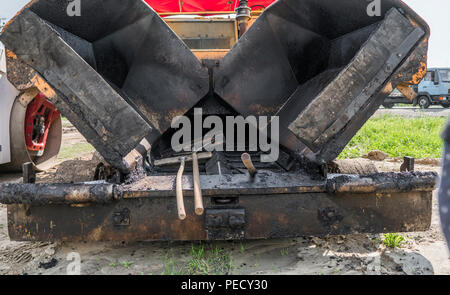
<point>445,75</point>
<point>429,76</point>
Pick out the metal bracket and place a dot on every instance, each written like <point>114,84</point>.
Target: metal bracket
<point>122,218</point>
<point>408,164</point>
<point>225,224</point>
<point>29,174</point>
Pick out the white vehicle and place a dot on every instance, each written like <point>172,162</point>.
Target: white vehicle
<point>30,128</point>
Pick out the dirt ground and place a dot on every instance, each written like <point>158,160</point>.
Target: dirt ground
<point>423,253</point>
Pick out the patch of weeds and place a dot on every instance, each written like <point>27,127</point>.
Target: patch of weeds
<point>113,264</point>
<point>393,240</point>
<point>126,264</point>
<point>242,249</point>
<point>284,252</point>
<point>208,260</point>
<point>171,266</point>
<point>203,259</point>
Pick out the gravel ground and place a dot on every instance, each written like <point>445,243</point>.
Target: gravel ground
<point>435,111</point>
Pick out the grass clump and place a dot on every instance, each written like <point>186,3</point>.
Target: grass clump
<point>209,260</point>
<point>126,264</point>
<point>242,249</point>
<point>204,259</point>
<point>171,266</point>
<point>393,240</point>
<point>398,137</point>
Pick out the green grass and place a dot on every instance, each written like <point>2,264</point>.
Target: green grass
<point>242,249</point>
<point>207,260</point>
<point>204,259</point>
<point>393,240</point>
<point>71,152</point>
<point>398,137</point>
<point>171,266</point>
<point>126,264</point>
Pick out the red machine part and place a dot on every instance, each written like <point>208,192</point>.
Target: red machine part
<point>162,6</point>
<point>38,119</point>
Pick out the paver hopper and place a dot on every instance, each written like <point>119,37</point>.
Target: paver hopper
<point>122,71</point>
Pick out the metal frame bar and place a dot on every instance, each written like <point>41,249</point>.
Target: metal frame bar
<point>236,207</point>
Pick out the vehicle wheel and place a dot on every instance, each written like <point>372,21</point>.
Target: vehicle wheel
<point>445,105</point>
<point>424,102</point>
<point>388,105</point>
<point>42,153</point>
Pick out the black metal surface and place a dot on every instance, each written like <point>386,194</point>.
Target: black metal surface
<point>354,87</point>
<point>46,194</point>
<point>225,224</point>
<point>324,72</point>
<point>383,182</point>
<point>122,217</point>
<point>120,76</point>
<point>124,75</point>
<point>264,182</point>
<point>28,173</point>
<point>84,96</point>
<point>408,164</point>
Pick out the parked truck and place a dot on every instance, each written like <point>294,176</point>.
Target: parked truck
<point>433,90</point>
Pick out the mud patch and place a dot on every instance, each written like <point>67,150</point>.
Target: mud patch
<point>376,156</point>
<point>80,169</point>
<point>47,265</point>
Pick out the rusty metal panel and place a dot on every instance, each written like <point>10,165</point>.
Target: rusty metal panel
<point>264,182</point>
<point>241,209</point>
<point>47,194</point>
<point>266,216</point>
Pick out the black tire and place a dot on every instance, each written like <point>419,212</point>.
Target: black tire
<point>388,105</point>
<point>445,105</point>
<point>423,102</point>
